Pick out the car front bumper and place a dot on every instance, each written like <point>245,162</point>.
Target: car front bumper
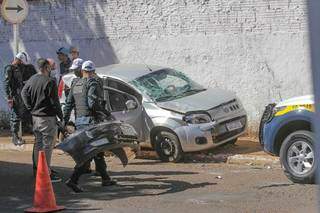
<point>198,137</point>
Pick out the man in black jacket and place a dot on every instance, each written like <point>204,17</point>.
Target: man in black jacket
<point>40,95</point>
<point>16,74</point>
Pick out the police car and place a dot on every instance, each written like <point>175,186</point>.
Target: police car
<point>286,131</point>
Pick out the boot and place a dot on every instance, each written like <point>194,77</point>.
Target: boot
<point>74,186</point>
<point>16,140</point>
<point>108,182</point>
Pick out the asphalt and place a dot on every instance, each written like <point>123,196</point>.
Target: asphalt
<point>204,182</point>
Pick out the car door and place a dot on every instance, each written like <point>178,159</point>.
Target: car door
<point>117,94</point>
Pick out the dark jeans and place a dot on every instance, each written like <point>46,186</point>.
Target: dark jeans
<point>101,167</point>
<point>18,114</point>
<point>99,160</point>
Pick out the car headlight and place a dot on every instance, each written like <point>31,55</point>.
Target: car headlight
<point>197,118</point>
<point>279,110</point>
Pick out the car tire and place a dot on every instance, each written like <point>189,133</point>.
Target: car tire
<point>300,148</point>
<point>168,147</point>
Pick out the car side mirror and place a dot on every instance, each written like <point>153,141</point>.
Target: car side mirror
<point>131,104</point>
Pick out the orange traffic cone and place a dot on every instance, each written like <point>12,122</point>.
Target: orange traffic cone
<point>44,198</point>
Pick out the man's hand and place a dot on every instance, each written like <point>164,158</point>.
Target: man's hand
<point>10,103</point>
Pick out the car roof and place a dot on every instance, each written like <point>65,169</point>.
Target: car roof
<point>127,72</point>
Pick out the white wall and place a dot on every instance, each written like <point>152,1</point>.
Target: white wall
<point>257,48</point>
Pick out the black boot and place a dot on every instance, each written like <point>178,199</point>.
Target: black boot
<point>74,186</point>
<point>108,182</point>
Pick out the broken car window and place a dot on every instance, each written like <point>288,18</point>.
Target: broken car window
<point>166,85</point>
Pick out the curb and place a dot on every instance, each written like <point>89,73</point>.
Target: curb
<point>256,160</point>
<point>12,147</point>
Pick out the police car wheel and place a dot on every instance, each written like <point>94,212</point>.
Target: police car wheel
<point>167,146</point>
<point>297,157</point>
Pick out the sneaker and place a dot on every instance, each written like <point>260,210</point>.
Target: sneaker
<point>17,141</point>
<point>54,172</point>
<point>55,178</point>
<point>108,182</point>
<point>75,187</point>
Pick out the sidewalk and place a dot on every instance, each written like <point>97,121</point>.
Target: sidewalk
<point>7,145</point>
<point>247,151</point>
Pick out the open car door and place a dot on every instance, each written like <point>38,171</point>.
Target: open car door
<point>125,106</point>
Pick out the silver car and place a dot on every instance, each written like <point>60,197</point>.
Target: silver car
<point>171,113</point>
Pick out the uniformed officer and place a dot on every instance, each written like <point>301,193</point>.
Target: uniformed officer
<point>76,67</point>
<point>85,98</point>
<point>16,75</point>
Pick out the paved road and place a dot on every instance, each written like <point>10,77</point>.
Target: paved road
<point>150,186</point>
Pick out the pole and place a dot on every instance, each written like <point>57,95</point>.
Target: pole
<point>314,39</point>
<point>16,39</point>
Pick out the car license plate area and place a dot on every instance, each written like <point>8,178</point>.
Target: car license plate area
<point>234,125</point>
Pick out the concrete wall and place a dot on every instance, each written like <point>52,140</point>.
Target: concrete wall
<point>257,48</point>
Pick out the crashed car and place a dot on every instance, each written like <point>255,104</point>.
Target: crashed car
<point>170,112</point>
<point>286,131</point>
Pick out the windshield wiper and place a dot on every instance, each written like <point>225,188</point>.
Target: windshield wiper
<point>194,90</point>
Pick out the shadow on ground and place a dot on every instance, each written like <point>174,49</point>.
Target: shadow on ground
<point>17,187</point>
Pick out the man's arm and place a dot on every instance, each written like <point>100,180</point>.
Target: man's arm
<point>93,99</point>
<point>69,106</point>
<point>54,98</point>
<point>8,76</point>
<point>25,95</point>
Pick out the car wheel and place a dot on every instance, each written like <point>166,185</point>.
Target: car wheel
<point>167,146</point>
<point>297,157</point>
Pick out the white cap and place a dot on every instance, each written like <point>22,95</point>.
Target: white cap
<point>76,64</point>
<point>88,66</point>
<point>23,57</point>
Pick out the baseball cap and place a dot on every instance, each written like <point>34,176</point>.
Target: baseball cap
<point>23,57</point>
<point>76,64</point>
<point>63,51</point>
<point>88,66</point>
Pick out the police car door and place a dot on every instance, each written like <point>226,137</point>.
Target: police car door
<point>125,104</point>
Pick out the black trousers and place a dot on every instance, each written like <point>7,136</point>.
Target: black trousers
<point>101,167</point>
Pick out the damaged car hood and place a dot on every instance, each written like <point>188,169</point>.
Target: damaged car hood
<point>205,100</point>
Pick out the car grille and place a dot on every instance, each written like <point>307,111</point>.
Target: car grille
<point>266,117</point>
<point>220,133</point>
<point>224,109</point>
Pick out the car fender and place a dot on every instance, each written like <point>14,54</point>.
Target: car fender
<point>272,128</point>
<point>171,124</point>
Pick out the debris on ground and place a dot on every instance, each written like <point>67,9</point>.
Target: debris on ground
<point>275,185</point>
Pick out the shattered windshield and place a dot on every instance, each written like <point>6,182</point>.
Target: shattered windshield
<point>166,85</point>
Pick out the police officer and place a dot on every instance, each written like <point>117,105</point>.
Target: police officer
<point>16,75</point>
<point>76,67</point>
<point>85,97</point>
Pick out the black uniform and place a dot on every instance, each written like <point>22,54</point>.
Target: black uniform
<point>85,97</point>
<point>15,78</point>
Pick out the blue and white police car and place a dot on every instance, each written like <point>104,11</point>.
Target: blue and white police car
<point>286,131</point>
